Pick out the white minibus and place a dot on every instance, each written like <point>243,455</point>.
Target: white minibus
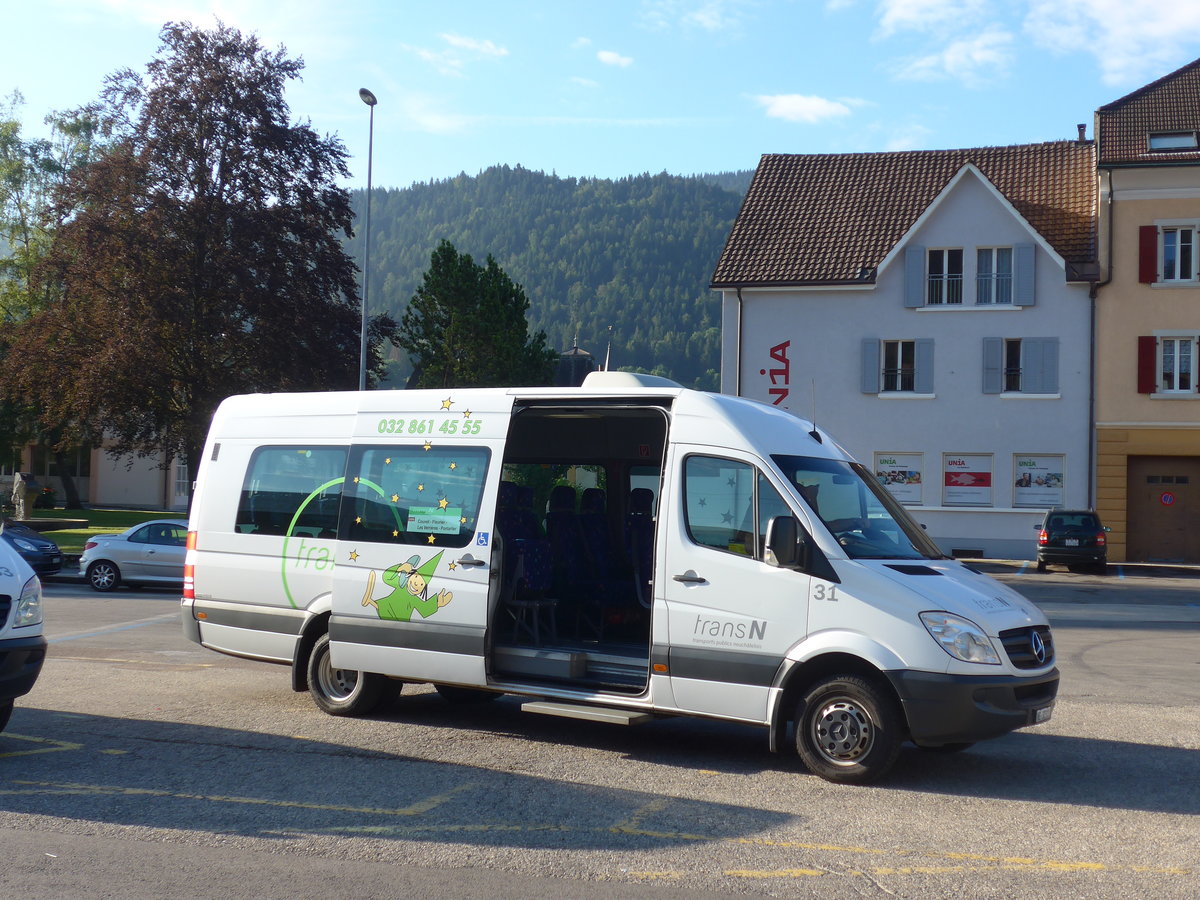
<point>616,551</point>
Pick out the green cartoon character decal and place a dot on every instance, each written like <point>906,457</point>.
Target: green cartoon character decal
<point>410,590</point>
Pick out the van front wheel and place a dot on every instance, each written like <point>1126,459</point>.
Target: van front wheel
<point>341,692</point>
<point>848,730</point>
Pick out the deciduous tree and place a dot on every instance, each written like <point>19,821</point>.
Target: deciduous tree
<point>202,256</point>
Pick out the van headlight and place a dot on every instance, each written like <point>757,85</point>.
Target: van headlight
<point>29,605</point>
<point>961,638</point>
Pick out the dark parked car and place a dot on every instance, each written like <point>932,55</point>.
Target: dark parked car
<point>1074,538</point>
<point>39,551</point>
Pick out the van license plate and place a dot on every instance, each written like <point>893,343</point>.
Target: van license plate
<point>1042,715</point>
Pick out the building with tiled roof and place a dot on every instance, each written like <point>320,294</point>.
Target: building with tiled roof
<point>931,310</point>
<point>1148,320</point>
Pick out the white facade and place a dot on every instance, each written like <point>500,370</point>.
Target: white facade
<point>812,351</point>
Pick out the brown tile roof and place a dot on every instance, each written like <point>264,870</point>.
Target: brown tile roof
<point>825,218</point>
<point>1170,104</point>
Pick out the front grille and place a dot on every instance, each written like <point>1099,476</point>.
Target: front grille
<point>1020,646</point>
<point>5,608</point>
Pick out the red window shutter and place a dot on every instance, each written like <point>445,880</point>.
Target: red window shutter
<point>1148,254</point>
<point>1147,366</point>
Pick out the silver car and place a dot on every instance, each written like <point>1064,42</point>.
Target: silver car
<point>148,554</point>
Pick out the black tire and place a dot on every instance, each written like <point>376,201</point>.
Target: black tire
<point>6,709</point>
<point>104,576</point>
<point>1041,566</point>
<point>1100,568</point>
<point>341,692</point>
<point>453,693</point>
<point>848,730</point>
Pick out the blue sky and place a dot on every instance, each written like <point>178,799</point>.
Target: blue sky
<point>621,87</point>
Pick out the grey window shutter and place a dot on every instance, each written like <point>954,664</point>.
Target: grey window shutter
<point>870,365</point>
<point>993,365</point>
<point>1039,365</point>
<point>1024,257</point>
<point>923,382</point>
<point>914,277</point>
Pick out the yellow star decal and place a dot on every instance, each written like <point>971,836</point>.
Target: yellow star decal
<point>453,466</point>
<point>432,539</point>
<point>420,487</point>
<point>353,555</point>
<point>358,520</point>
<point>388,461</point>
<point>428,446</point>
<point>462,521</point>
<point>443,503</point>
<point>452,566</point>
<point>395,534</point>
<point>356,479</point>
<point>395,498</point>
<point>446,404</point>
<point>466,414</point>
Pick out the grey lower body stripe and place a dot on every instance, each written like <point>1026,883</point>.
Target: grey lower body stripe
<point>730,666</point>
<point>461,639</point>
<point>282,621</point>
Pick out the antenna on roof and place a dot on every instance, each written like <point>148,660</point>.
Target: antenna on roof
<point>608,352</point>
<point>816,435</point>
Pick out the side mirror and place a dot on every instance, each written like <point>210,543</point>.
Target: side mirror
<point>785,548</point>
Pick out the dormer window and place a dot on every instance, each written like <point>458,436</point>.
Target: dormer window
<point>1174,140</point>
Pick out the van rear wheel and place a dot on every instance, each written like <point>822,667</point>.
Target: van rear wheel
<point>341,692</point>
<point>848,730</point>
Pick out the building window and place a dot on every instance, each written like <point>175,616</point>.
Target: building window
<point>899,365</point>
<point>1020,365</point>
<point>1173,140</point>
<point>993,275</point>
<point>1167,364</point>
<point>1178,254</point>
<point>945,277</point>
<point>1012,364</point>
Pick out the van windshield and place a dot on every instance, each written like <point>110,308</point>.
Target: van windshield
<point>858,511</point>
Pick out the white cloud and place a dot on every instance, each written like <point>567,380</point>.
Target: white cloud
<point>612,58</point>
<point>584,82</point>
<point>707,15</point>
<point>928,15</point>
<point>473,45</point>
<point>909,137</point>
<point>580,42</point>
<point>1133,41</point>
<point>973,61</point>
<point>801,108</point>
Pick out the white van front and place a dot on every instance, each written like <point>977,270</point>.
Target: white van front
<point>22,645</point>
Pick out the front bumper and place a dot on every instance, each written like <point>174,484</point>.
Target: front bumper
<point>20,664</point>
<point>952,709</point>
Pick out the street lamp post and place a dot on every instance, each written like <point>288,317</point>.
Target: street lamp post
<point>369,99</point>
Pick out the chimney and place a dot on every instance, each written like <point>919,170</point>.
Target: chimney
<point>1082,132</point>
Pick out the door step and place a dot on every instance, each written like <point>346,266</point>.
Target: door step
<point>591,713</point>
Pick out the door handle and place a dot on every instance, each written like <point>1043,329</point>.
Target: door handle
<point>471,561</point>
<point>690,578</point>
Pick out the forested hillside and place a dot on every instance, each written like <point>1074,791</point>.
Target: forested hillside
<point>634,255</point>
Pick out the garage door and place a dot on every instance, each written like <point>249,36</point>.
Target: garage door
<point>1164,509</point>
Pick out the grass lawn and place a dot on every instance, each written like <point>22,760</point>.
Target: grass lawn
<point>100,521</point>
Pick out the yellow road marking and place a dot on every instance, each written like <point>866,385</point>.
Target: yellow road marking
<point>53,746</point>
<point>971,862</point>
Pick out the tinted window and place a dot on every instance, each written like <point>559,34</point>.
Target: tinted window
<point>292,490</point>
<point>729,504</point>
<point>414,494</point>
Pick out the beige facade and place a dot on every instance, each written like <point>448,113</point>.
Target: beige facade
<point>1147,440</point>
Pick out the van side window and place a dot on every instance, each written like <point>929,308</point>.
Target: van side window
<point>416,494</point>
<point>292,490</point>
<point>728,505</point>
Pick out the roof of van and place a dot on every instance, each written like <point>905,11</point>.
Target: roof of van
<point>698,417</point>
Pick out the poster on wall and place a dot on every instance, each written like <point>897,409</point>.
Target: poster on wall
<point>900,473</point>
<point>967,480</point>
<point>1038,481</point>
